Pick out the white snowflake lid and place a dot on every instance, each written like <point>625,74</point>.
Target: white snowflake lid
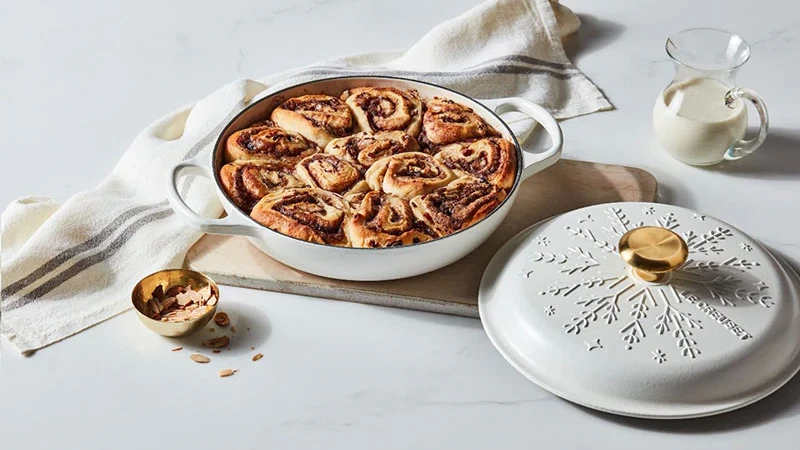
<point>718,333</point>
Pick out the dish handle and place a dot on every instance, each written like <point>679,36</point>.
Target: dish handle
<point>535,162</point>
<point>225,225</point>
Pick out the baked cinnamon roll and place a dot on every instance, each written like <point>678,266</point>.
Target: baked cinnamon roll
<point>384,220</point>
<point>266,141</point>
<point>490,159</point>
<point>408,174</point>
<point>355,199</point>
<point>331,173</point>
<point>247,182</point>
<point>457,205</point>
<point>363,149</point>
<point>309,214</point>
<point>318,118</point>
<point>446,121</point>
<point>385,109</point>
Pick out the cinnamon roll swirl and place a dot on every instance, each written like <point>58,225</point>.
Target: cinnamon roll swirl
<point>318,118</point>
<point>266,141</point>
<point>408,174</point>
<point>385,109</point>
<point>354,200</point>
<point>490,159</point>
<point>310,214</point>
<point>363,149</point>
<point>446,121</point>
<point>247,182</point>
<point>384,220</point>
<point>457,205</point>
<point>331,173</point>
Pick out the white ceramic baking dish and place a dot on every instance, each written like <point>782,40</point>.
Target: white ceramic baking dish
<point>364,264</point>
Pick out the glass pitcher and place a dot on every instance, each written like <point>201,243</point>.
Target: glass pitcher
<point>700,118</point>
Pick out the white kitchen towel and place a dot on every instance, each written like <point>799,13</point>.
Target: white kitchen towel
<point>68,267</point>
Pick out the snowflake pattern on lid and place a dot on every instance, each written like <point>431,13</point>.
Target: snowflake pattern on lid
<point>596,289</point>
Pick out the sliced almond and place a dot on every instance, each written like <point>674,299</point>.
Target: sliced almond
<point>183,299</point>
<point>197,312</point>
<point>222,319</point>
<point>158,292</point>
<point>198,358</point>
<point>257,356</point>
<point>168,303</point>
<point>175,290</point>
<point>225,373</point>
<point>195,296</point>
<point>216,351</point>
<point>155,305</point>
<point>205,293</point>
<point>233,329</point>
<point>217,342</point>
<point>177,349</point>
<point>212,301</point>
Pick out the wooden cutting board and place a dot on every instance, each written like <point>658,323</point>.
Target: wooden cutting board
<point>567,185</point>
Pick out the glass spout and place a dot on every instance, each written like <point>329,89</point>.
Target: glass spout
<point>708,50</point>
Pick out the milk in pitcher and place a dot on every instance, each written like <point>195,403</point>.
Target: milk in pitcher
<point>693,123</point>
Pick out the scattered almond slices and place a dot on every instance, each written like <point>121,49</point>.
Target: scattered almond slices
<point>227,372</point>
<point>217,342</point>
<point>222,319</point>
<point>177,349</point>
<point>180,303</point>
<point>198,358</point>
<point>257,356</point>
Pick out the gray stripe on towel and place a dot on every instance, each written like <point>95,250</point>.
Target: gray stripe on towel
<point>489,62</point>
<point>88,261</point>
<point>67,254</point>
<point>500,69</point>
<point>109,229</point>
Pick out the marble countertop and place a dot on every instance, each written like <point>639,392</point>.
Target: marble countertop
<point>79,79</point>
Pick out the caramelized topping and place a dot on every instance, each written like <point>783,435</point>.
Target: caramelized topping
<point>326,112</point>
<point>330,173</point>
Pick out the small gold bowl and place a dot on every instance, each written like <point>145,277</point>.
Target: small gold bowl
<point>143,293</point>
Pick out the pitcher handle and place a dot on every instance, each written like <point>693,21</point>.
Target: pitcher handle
<point>742,147</point>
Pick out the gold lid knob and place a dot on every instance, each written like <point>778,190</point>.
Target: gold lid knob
<point>652,252</point>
